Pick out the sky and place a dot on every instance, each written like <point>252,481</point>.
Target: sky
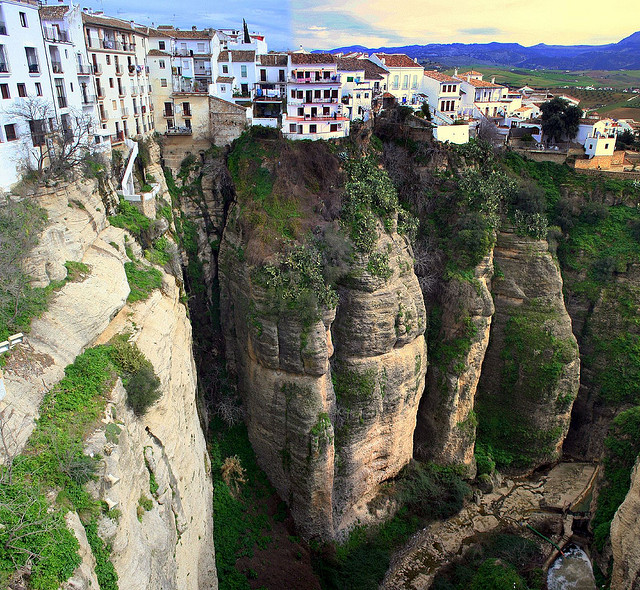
<point>326,24</point>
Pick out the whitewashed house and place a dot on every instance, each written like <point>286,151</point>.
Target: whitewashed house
<point>443,93</point>
<point>481,98</point>
<point>23,74</point>
<point>598,137</point>
<point>356,90</point>
<point>405,76</point>
<point>314,110</point>
<point>270,90</point>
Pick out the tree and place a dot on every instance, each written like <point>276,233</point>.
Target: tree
<point>426,111</point>
<point>560,120</point>
<point>625,140</point>
<point>54,147</point>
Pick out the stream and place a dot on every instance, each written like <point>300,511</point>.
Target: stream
<point>571,572</point>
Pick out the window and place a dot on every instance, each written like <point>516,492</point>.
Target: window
<point>349,78</point>
<point>22,90</point>
<point>405,81</point>
<point>396,82</point>
<point>38,131</point>
<point>313,128</point>
<point>326,111</point>
<point>23,19</point>
<point>366,95</point>
<point>10,132</point>
<point>110,82</point>
<point>281,76</point>
<point>161,64</point>
<point>225,69</point>
<point>333,127</point>
<point>163,82</point>
<point>243,71</point>
<point>60,93</point>
<point>4,88</point>
<point>300,112</point>
<point>357,95</point>
<point>223,88</point>
<point>161,45</point>
<point>38,89</point>
<point>108,58</point>
<point>200,47</point>
<point>4,64</point>
<point>292,127</point>
<point>114,105</point>
<point>293,94</point>
<point>263,75</point>
<point>32,60</point>
<point>186,109</point>
<point>316,94</point>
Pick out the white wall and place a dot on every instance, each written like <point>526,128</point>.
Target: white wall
<point>452,133</point>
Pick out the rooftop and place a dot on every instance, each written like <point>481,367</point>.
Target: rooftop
<point>106,21</point>
<point>439,76</point>
<point>312,58</point>
<point>274,59</point>
<point>56,12</point>
<point>157,53</point>
<point>397,60</point>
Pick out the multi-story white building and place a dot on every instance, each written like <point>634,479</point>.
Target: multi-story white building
<point>405,76</point>
<point>443,93</point>
<point>481,98</point>
<point>314,110</point>
<point>69,67</point>
<point>23,74</point>
<point>240,66</point>
<point>358,80</point>
<point>270,90</point>
<point>117,51</point>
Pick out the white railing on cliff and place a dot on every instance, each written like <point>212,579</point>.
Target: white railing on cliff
<point>127,179</point>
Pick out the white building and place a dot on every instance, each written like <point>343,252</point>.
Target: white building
<point>599,137</point>
<point>443,93</point>
<point>361,81</point>
<point>314,110</point>
<point>69,67</point>
<point>481,98</point>
<point>117,51</point>
<point>270,91</point>
<point>405,76</point>
<point>23,74</point>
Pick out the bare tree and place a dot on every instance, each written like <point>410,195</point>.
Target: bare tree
<point>488,132</point>
<point>54,146</point>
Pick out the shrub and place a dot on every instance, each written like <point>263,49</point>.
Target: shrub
<point>143,389</point>
<point>142,280</point>
<point>76,271</point>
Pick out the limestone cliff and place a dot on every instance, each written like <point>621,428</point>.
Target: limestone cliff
<point>171,545</point>
<point>327,427</point>
<point>625,542</point>
<point>446,429</point>
<point>531,370</point>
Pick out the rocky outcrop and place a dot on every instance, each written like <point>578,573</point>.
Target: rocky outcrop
<point>625,542</point>
<point>169,546</point>
<point>531,370</point>
<point>327,427</point>
<point>446,428</point>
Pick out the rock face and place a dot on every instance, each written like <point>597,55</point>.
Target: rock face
<point>625,542</point>
<point>446,428</point>
<point>531,370</point>
<point>328,427</point>
<point>171,546</point>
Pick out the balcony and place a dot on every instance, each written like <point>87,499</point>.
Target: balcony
<point>144,109</point>
<point>129,47</point>
<point>62,102</point>
<point>132,70</point>
<point>332,80</point>
<point>111,44</point>
<point>119,70</point>
<point>124,112</point>
<point>136,111</point>
<point>84,69</point>
<point>3,29</point>
<point>34,69</point>
<point>134,91</point>
<point>117,138</point>
<point>179,131</point>
<point>56,66</point>
<point>151,107</point>
<point>97,69</point>
<point>56,35</point>
<point>122,92</point>
<point>104,116</point>
<point>186,112</point>
<point>101,93</point>
<point>88,99</point>
<point>4,68</point>
<point>167,113</point>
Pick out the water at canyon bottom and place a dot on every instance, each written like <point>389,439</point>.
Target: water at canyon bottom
<point>571,572</point>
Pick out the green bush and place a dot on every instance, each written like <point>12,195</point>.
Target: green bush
<point>131,219</point>
<point>143,389</point>
<point>143,280</point>
<point>495,575</point>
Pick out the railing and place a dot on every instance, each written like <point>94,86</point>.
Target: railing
<point>4,68</point>
<point>144,109</point>
<point>167,113</point>
<point>101,93</point>
<point>119,70</point>
<point>84,69</point>
<point>136,111</point>
<point>88,99</point>
<point>3,29</point>
<point>314,80</point>
<point>56,35</point>
<point>56,66</point>
<point>134,91</point>
<point>34,69</point>
<point>179,131</point>
<point>122,92</point>
<point>124,111</point>
<point>62,102</point>
<point>104,116</point>
<point>151,107</point>
<point>111,44</point>
<point>117,137</point>
<point>97,69</point>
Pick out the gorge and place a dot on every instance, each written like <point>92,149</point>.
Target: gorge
<point>359,345</point>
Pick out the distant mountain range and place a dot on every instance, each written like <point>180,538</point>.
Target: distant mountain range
<point>624,55</point>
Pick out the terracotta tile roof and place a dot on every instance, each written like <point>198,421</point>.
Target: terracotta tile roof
<point>373,71</point>
<point>159,32</point>
<point>157,53</point>
<point>203,34</point>
<point>224,80</point>
<point>243,55</point>
<point>397,60</point>
<point>312,58</point>
<point>483,84</point>
<point>224,56</point>
<point>56,12</point>
<point>439,76</point>
<point>350,64</point>
<point>388,95</point>
<point>472,73</point>
<point>107,21</point>
<point>274,59</point>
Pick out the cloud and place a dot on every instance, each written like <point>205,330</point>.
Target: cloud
<point>480,31</point>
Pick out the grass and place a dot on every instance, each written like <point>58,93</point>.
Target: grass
<point>131,219</point>
<point>142,280</point>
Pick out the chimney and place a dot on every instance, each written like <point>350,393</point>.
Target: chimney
<point>455,72</point>
<point>493,80</point>
<point>194,28</point>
